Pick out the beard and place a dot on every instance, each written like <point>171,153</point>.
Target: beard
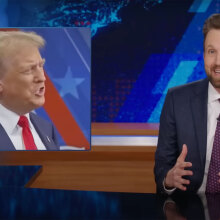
<point>215,81</point>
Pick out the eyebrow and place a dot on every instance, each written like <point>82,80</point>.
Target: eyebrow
<point>210,47</point>
<point>30,64</point>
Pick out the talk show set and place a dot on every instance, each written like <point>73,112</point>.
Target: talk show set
<point>110,109</point>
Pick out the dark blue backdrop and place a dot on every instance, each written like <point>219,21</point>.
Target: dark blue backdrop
<point>139,48</point>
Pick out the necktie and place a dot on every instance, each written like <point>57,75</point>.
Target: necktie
<point>213,186</point>
<point>213,202</point>
<point>26,134</point>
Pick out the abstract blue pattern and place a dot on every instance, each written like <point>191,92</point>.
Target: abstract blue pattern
<point>139,49</point>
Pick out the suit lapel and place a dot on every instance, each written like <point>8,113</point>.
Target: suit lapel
<point>44,136</point>
<point>199,109</point>
<point>6,144</point>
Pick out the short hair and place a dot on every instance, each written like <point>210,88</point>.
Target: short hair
<point>10,41</point>
<point>213,22</point>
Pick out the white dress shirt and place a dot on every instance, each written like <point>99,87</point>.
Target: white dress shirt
<point>9,121</point>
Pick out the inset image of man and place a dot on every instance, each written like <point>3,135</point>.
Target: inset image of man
<point>22,90</point>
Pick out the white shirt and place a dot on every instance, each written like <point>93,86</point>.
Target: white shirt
<point>9,121</point>
<point>213,113</point>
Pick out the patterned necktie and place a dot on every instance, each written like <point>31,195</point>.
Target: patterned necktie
<point>213,202</point>
<point>213,185</point>
<point>26,134</point>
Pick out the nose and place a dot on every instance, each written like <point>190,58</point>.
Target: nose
<point>39,74</point>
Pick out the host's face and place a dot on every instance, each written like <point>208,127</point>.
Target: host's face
<point>22,87</point>
<point>212,57</point>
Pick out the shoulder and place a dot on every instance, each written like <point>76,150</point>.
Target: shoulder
<point>181,95</point>
<point>45,129</point>
<point>190,88</point>
<point>35,118</point>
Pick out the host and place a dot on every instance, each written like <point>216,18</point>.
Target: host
<point>188,152</point>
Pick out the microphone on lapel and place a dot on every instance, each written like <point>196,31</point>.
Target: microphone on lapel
<point>48,139</point>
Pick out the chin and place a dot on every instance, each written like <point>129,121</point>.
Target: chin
<point>215,83</point>
<point>39,103</point>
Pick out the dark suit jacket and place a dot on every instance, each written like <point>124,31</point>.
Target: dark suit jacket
<point>45,130</point>
<point>183,121</point>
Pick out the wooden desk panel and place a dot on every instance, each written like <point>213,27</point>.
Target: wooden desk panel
<point>42,157</point>
<point>112,176</point>
<point>147,129</point>
<point>119,171</point>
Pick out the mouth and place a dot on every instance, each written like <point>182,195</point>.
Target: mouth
<point>217,71</point>
<point>40,91</point>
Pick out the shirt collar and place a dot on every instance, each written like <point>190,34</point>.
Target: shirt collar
<point>9,119</point>
<point>213,95</point>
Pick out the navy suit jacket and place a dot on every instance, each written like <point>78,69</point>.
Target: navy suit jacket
<point>45,130</point>
<point>183,121</point>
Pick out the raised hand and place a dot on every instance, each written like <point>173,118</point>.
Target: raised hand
<point>174,177</point>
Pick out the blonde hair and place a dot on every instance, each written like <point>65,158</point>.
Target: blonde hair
<point>12,41</point>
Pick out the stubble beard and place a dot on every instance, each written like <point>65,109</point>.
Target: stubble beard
<point>215,82</point>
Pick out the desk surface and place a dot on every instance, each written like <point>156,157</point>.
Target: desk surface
<point>21,203</point>
<point>18,202</point>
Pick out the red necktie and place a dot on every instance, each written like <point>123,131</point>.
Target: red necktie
<point>213,186</point>
<point>26,133</point>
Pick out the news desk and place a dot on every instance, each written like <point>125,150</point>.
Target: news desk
<point>93,171</point>
<point>104,168</point>
<point>105,183</point>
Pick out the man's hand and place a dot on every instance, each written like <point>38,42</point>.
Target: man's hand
<point>174,178</point>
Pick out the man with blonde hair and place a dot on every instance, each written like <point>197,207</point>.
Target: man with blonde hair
<point>22,89</point>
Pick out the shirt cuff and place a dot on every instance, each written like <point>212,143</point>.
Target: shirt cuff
<point>168,191</point>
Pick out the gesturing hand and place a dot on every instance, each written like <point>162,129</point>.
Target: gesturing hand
<point>174,178</point>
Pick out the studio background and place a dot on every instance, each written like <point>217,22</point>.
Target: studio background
<point>139,48</point>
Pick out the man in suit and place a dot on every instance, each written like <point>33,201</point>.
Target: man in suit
<point>22,88</point>
<point>188,123</point>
